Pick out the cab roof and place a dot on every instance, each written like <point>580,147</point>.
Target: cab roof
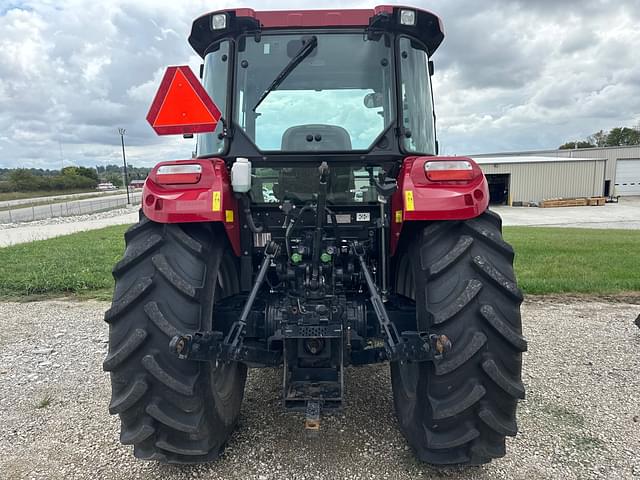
<point>427,26</point>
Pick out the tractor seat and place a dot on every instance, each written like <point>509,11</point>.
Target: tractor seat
<point>325,138</point>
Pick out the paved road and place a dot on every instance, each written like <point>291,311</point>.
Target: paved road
<point>43,229</point>
<point>73,207</point>
<point>51,198</point>
<point>624,215</point>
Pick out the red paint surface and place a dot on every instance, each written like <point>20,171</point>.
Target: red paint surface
<point>436,200</point>
<point>319,18</point>
<point>182,105</point>
<point>432,200</point>
<point>194,203</point>
<point>310,18</point>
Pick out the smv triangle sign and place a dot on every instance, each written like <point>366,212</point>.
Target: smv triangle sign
<point>182,105</point>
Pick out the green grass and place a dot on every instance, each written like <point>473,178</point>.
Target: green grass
<point>548,261</point>
<point>575,260</point>
<point>74,264</point>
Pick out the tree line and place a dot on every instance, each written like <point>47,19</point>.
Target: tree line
<point>68,178</point>
<point>616,137</point>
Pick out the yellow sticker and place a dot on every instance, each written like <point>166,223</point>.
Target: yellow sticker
<point>398,216</point>
<point>228,216</point>
<point>215,204</point>
<point>408,201</point>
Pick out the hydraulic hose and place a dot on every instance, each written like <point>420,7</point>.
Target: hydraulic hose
<point>291,225</point>
<point>246,208</point>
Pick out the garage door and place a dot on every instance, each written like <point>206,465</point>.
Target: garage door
<point>628,177</point>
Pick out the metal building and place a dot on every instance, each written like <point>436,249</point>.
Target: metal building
<point>519,178</point>
<point>622,170</point>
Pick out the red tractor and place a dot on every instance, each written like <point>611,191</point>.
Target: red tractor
<point>315,228</point>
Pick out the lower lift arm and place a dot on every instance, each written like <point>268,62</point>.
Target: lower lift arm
<point>208,346</point>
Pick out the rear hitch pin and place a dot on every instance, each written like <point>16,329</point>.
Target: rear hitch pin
<point>440,344</point>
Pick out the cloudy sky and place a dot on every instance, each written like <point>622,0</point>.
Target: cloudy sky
<point>510,75</point>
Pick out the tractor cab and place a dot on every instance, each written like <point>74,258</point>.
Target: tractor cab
<point>349,87</point>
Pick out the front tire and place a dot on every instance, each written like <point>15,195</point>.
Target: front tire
<point>171,410</point>
<point>459,410</point>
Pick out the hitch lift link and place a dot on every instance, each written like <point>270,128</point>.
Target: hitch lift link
<point>408,346</point>
<point>209,346</point>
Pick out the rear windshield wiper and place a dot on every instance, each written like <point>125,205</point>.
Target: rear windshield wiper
<point>303,53</point>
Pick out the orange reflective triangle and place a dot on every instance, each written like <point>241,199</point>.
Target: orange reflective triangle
<point>182,105</point>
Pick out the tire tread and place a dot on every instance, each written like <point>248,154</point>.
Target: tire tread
<point>464,287</point>
<point>164,407</point>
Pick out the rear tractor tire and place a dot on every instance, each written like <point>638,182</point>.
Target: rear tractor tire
<point>171,410</point>
<point>459,410</point>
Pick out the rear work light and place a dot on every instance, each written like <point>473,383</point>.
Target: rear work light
<point>178,174</point>
<point>219,21</point>
<point>449,170</point>
<point>408,17</point>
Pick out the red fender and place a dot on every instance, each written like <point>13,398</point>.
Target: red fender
<point>420,199</point>
<point>211,199</point>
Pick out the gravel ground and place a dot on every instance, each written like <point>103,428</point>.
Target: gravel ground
<point>581,418</point>
<point>72,219</point>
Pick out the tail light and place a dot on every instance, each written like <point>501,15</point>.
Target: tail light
<point>178,174</point>
<point>450,170</point>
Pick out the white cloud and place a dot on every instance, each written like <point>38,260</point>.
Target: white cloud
<point>510,74</point>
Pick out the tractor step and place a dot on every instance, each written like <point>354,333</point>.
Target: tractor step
<point>322,385</point>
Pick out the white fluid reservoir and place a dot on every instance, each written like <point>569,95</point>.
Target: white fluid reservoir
<point>241,175</point>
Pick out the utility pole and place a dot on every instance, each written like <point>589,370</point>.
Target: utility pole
<point>125,177</point>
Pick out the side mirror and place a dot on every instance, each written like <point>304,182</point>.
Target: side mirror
<point>373,100</point>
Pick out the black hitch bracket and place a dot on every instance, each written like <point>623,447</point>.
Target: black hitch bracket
<point>413,347</point>
<point>421,347</point>
<point>210,347</point>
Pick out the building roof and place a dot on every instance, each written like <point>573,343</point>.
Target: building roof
<point>558,151</point>
<point>480,160</point>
